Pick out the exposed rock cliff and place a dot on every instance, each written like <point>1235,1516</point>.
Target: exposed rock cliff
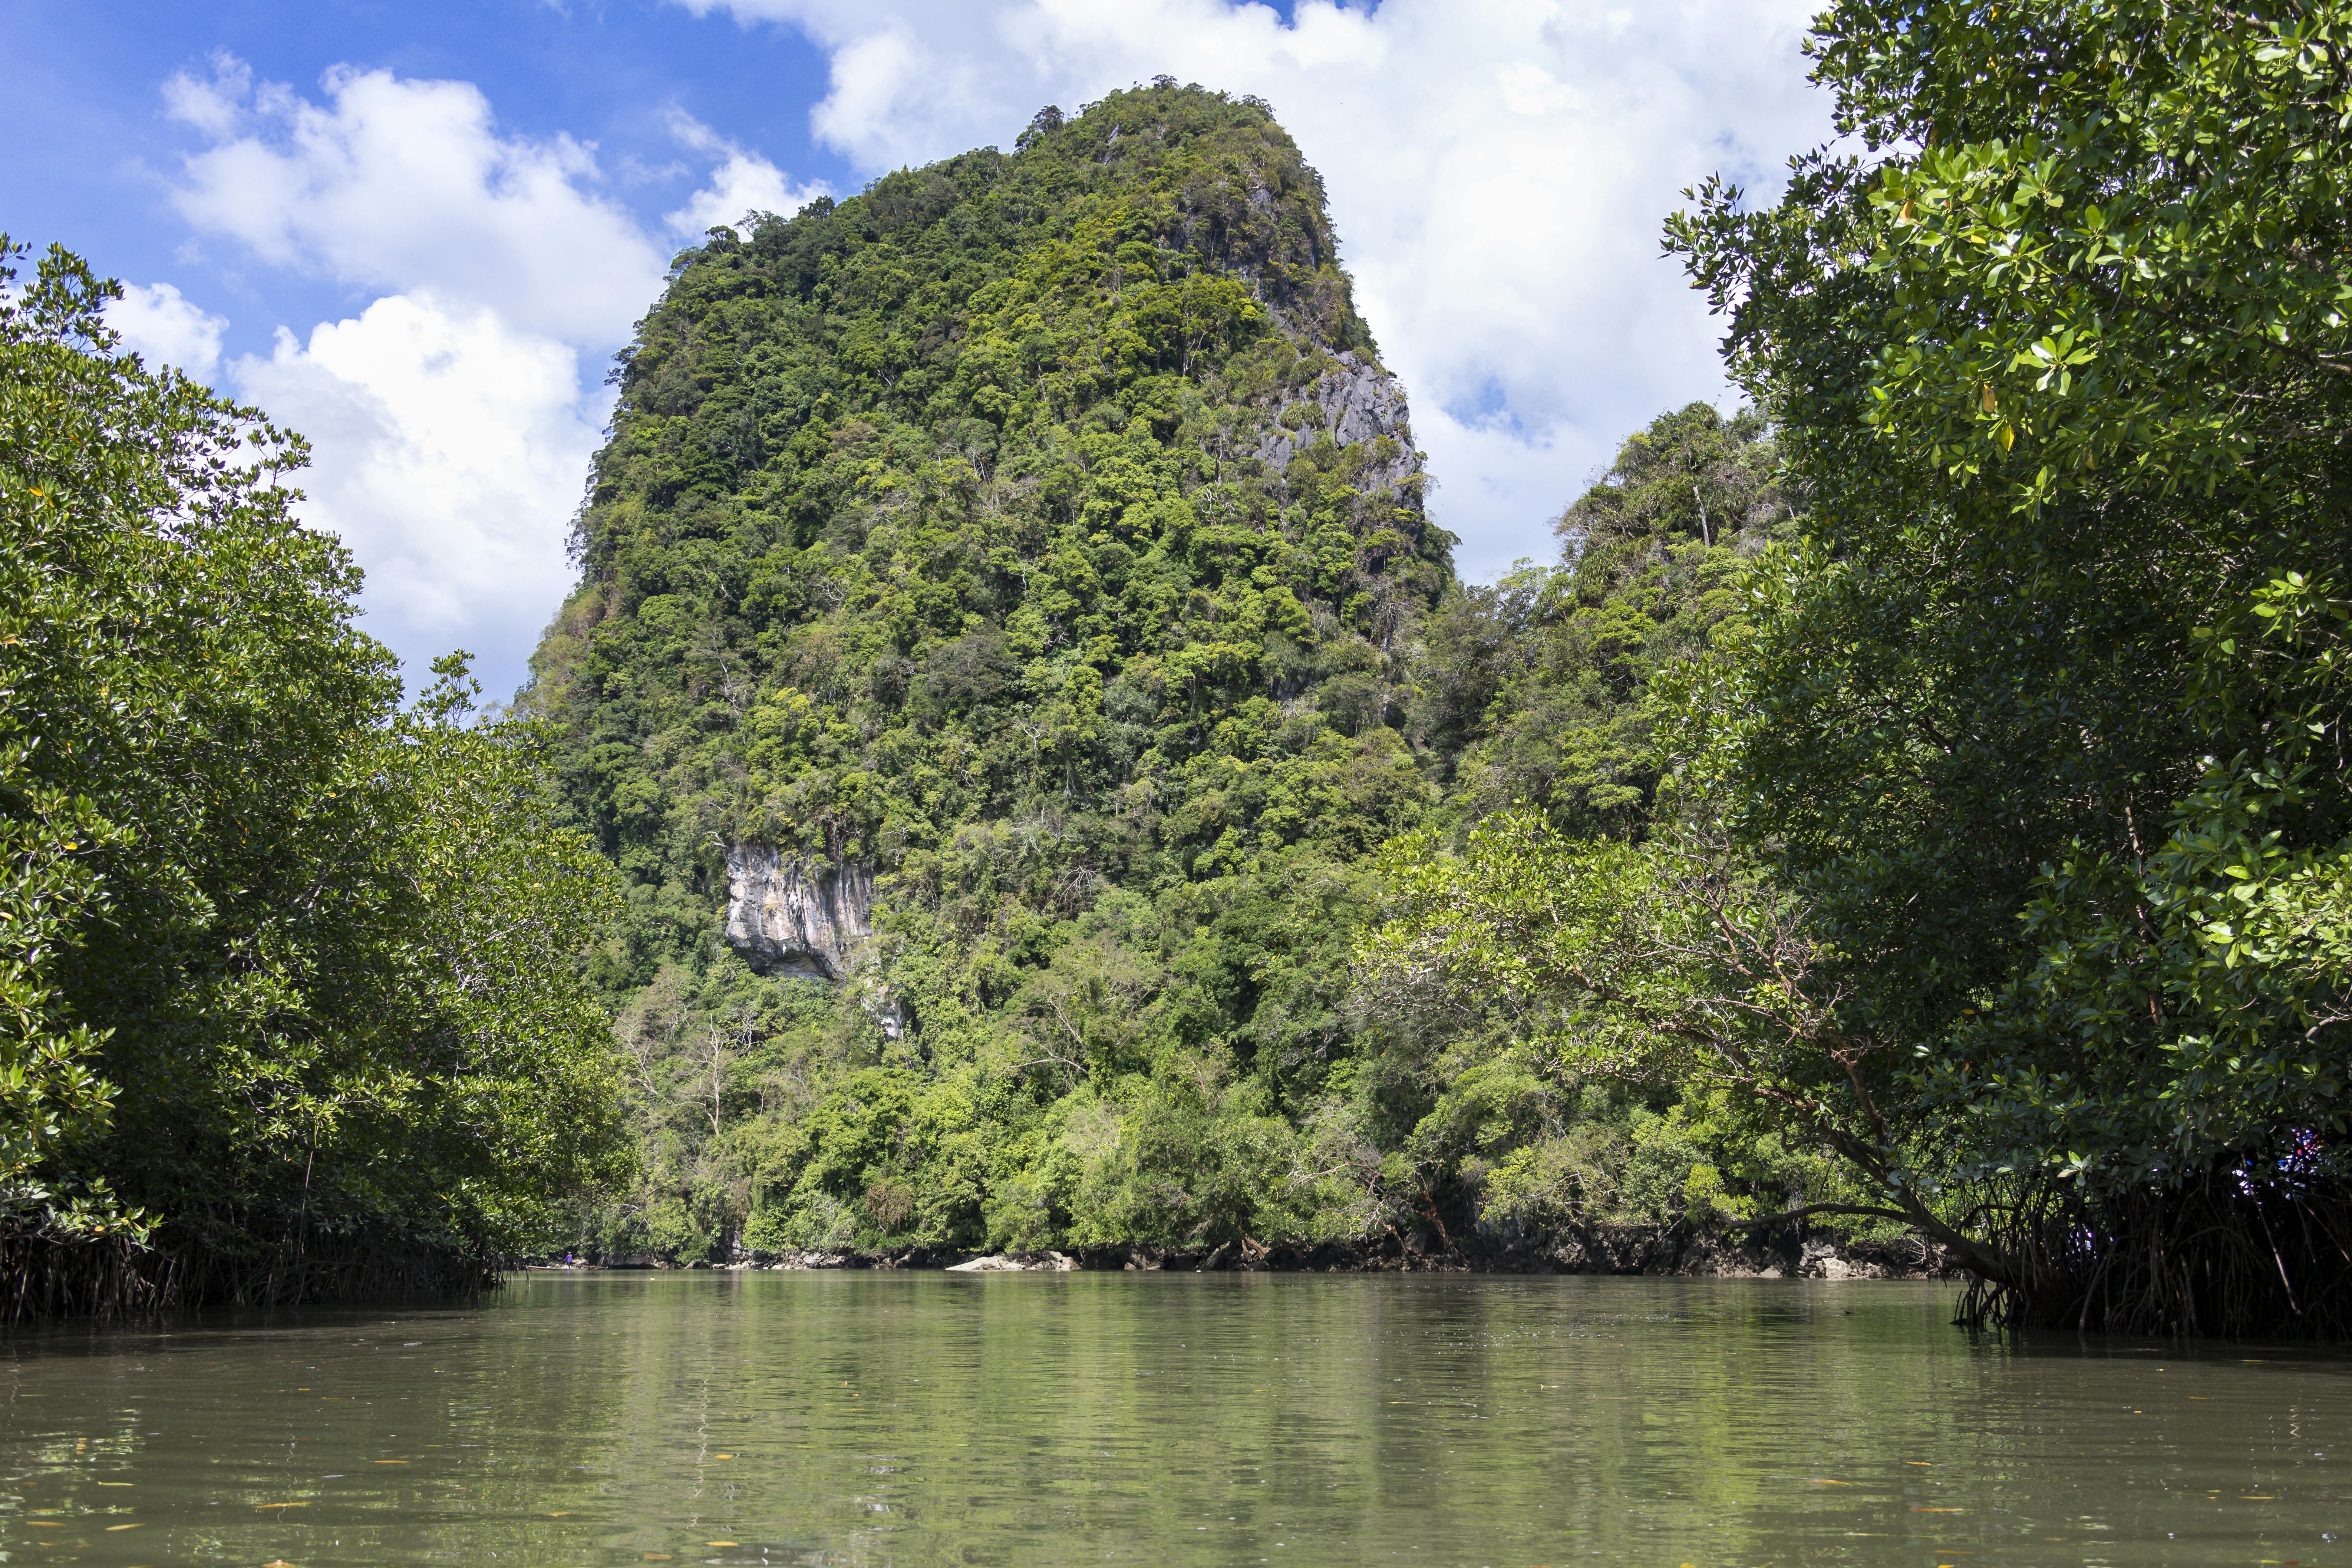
<point>1357,402</point>
<point>789,915</point>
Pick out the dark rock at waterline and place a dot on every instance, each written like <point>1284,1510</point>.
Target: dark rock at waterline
<point>1790,1252</point>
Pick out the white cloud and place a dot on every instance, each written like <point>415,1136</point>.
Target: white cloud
<point>743,183</point>
<point>398,184</point>
<point>164,327</point>
<point>449,449</point>
<point>1531,90</point>
<point>449,422</point>
<point>1498,170</point>
<point>211,105</point>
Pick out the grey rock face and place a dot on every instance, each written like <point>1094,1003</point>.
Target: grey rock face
<point>1357,402</point>
<point>788,915</point>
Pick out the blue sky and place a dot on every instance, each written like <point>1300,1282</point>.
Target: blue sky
<point>94,153</point>
<point>417,232</point>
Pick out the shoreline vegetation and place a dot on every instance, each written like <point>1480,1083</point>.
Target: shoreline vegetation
<point>1020,777</point>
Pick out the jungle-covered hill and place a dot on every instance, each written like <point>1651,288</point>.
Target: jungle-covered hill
<point>1036,539</point>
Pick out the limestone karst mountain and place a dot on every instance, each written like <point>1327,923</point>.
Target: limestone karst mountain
<point>1032,539</point>
<point>1009,625</point>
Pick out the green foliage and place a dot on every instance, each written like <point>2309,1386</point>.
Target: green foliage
<point>1673,966</point>
<point>283,963</point>
<point>2005,839</point>
<point>2081,487</point>
<point>1536,689</point>
<point>1037,530</point>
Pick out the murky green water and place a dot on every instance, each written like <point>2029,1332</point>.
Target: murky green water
<point>1061,1419</point>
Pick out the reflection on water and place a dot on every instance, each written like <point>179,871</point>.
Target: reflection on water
<point>1051,1419</point>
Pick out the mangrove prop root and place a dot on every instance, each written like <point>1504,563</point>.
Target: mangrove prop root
<point>2223,1255</point>
<point>44,1281</point>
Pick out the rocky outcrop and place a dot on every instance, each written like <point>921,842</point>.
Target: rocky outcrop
<point>1357,402</point>
<point>795,914</point>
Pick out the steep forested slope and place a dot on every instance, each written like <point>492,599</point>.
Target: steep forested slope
<point>1008,626</point>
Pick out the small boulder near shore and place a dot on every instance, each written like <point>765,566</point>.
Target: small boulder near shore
<point>1016,1262</point>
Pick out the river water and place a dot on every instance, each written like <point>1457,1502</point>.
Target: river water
<point>1035,1419</point>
